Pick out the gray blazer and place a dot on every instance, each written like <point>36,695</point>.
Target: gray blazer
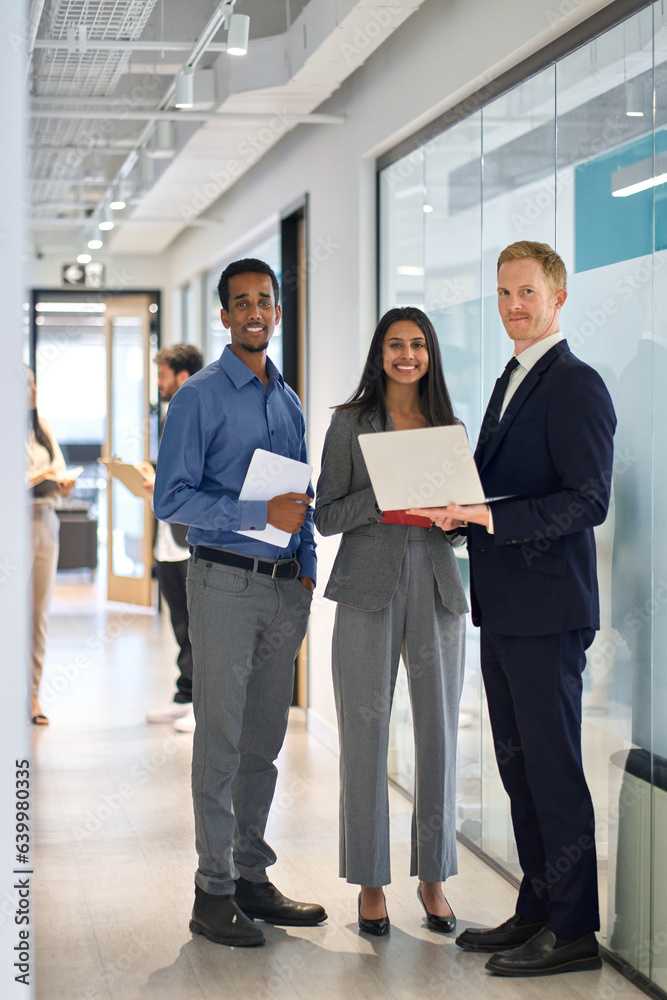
<point>368,565</point>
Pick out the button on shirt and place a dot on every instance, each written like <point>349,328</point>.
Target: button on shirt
<point>215,422</point>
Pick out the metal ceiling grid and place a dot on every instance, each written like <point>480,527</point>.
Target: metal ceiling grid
<point>79,73</point>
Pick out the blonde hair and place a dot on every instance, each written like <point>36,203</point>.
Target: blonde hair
<point>552,265</point>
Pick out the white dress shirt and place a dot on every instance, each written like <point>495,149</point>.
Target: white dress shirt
<point>526,360</point>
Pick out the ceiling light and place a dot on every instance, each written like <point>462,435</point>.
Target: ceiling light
<point>117,203</point>
<point>408,269</point>
<point>83,258</point>
<point>147,170</point>
<point>71,307</point>
<point>164,134</point>
<point>639,176</point>
<point>163,147</point>
<point>185,88</point>
<point>428,208</point>
<point>634,98</point>
<point>238,35</point>
<point>95,244</point>
<point>106,222</point>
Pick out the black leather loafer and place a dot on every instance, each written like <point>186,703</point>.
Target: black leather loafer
<point>262,901</point>
<point>541,957</point>
<point>376,927</point>
<point>220,920</point>
<point>505,936</point>
<point>445,925</point>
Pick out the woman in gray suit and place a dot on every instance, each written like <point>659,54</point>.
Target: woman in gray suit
<point>398,590</point>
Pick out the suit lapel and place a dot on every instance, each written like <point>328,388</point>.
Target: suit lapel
<point>527,385</point>
<point>376,423</point>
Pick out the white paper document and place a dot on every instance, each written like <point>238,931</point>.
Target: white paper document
<point>429,467</point>
<point>270,475</point>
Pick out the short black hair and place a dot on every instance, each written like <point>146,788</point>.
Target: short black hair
<point>181,358</point>
<point>249,265</point>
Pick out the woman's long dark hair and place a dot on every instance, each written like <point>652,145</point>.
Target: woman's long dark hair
<point>40,434</point>
<point>369,396</point>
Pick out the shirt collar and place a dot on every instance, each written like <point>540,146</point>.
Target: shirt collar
<point>240,374</point>
<point>532,355</point>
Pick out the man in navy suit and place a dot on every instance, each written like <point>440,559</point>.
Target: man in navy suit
<point>546,445</point>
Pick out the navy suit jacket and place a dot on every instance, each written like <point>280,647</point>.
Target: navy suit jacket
<point>553,453</point>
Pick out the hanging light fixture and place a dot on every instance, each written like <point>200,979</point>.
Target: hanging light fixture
<point>106,222</point>
<point>238,35</point>
<point>164,136</point>
<point>117,202</point>
<point>83,258</point>
<point>184,96</point>
<point>95,244</point>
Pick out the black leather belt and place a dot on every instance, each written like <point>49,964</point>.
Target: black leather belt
<point>287,570</point>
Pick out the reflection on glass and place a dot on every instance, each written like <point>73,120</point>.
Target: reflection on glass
<point>576,157</point>
<point>128,395</point>
<point>659,596</point>
<point>402,213</point>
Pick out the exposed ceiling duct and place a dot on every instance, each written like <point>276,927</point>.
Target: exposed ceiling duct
<point>103,76</point>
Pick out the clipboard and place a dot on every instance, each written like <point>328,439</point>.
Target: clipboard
<point>47,485</point>
<point>131,476</point>
<point>269,475</point>
<point>68,475</point>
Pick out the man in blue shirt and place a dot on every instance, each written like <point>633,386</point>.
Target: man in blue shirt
<point>248,601</point>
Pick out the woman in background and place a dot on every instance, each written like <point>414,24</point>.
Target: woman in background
<point>398,590</point>
<point>46,483</point>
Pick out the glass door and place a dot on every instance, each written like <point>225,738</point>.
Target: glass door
<point>130,520</point>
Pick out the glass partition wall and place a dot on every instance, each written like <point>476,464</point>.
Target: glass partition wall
<point>575,156</point>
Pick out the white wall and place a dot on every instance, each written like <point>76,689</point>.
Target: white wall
<point>14,558</point>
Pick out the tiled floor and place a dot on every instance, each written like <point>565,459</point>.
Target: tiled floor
<point>115,857</point>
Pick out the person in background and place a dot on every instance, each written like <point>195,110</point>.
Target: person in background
<point>175,364</point>
<point>47,484</point>
<point>398,590</point>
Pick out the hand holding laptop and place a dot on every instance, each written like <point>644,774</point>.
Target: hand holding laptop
<point>456,515</point>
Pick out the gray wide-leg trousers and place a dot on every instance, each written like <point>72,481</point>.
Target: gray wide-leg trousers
<point>246,631</point>
<point>366,649</point>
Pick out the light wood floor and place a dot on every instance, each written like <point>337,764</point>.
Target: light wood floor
<point>115,853</point>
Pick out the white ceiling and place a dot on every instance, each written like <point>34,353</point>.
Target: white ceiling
<point>99,88</point>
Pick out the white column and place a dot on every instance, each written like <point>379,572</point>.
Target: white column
<point>14,742</point>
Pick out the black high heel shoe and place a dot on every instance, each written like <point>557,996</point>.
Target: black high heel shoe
<point>434,923</point>
<point>377,927</point>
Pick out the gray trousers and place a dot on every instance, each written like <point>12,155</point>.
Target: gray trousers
<point>366,649</point>
<point>245,630</point>
<point>45,547</point>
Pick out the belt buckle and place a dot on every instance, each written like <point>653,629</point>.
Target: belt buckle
<point>273,571</point>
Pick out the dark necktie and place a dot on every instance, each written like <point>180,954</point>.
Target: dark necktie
<point>493,410</point>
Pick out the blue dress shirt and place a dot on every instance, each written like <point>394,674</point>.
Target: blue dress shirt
<point>216,420</point>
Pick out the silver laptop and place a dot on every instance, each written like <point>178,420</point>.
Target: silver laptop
<point>429,467</point>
